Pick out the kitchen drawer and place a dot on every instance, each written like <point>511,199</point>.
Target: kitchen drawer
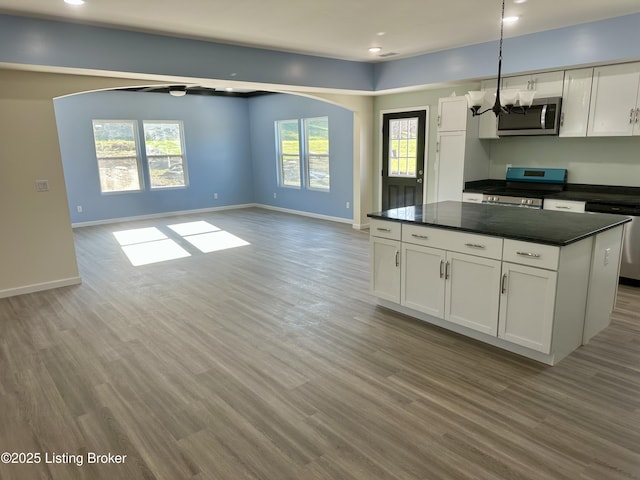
<point>454,241</point>
<point>532,254</point>
<point>385,229</point>
<point>564,205</point>
<point>472,197</point>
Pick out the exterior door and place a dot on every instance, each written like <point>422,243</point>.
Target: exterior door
<point>403,139</point>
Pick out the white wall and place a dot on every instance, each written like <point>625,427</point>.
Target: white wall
<point>597,160</point>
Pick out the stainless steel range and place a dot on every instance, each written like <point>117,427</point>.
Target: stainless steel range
<point>525,187</point>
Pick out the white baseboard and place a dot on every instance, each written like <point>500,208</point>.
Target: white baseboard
<point>38,287</point>
<point>160,215</point>
<point>305,214</point>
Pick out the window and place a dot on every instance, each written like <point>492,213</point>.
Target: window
<point>288,134</point>
<point>117,154</point>
<point>165,154</point>
<point>316,136</point>
<point>311,155</point>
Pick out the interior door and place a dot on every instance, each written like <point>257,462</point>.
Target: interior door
<point>403,139</point>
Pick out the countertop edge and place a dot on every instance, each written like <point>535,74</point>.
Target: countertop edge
<point>521,238</point>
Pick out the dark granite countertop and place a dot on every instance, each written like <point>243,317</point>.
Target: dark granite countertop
<point>605,194</point>
<point>526,224</point>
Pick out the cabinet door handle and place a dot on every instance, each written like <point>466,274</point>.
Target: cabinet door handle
<point>504,284</point>
<point>475,245</point>
<point>397,258</point>
<point>446,271</point>
<point>439,120</point>
<point>383,229</point>
<point>529,254</point>
<point>437,147</point>
<point>441,268</point>
<point>631,115</point>
<point>637,114</point>
<point>419,236</point>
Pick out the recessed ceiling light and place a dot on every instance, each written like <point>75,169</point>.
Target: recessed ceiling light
<point>74,2</point>
<point>375,49</point>
<point>519,1</point>
<point>381,33</point>
<point>228,89</point>
<point>510,19</point>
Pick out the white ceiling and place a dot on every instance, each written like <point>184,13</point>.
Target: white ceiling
<point>331,28</point>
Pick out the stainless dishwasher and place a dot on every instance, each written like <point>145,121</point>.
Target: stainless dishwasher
<point>630,265</point>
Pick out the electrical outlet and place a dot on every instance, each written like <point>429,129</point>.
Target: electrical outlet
<point>348,205</point>
<point>79,208</point>
<point>275,195</point>
<point>215,196</point>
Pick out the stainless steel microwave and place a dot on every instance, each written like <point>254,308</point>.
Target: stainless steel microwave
<point>541,118</point>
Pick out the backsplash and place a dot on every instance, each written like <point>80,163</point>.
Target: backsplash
<point>596,160</point>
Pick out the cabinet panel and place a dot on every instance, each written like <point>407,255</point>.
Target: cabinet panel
<point>472,296</point>
<point>472,197</point>
<point>385,268</point>
<point>576,95</point>
<point>450,152</point>
<point>423,279</point>
<point>545,84</point>
<point>614,96</point>
<point>527,306</point>
<point>488,123</point>
<point>452,114</point>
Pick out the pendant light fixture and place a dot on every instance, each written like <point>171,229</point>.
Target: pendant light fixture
<point>506,100</point>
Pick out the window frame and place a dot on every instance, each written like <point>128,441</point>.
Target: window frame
<point>136,139</point>
<point>280,155</point>
<point>183,155</point>
<point>307,155</point>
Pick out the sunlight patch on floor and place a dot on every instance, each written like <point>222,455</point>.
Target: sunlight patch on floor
<point>215,241</point>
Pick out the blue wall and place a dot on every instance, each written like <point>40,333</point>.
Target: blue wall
<point>53,43</point>
<point>217,152</point>
<point>229,147</point>
<point>264,111</point>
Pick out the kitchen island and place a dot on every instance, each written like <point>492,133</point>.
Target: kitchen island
<point>537,283</point>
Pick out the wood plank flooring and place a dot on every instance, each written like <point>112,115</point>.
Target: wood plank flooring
<point>272,361</point>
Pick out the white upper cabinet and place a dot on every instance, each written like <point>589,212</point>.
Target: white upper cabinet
<point>487,126</point>
<point>614,107</point>
<point>545,84</point>
<point>574,116</point>
<point>452,114</point>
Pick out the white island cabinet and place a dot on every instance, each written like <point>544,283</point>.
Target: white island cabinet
<point>538,300</point>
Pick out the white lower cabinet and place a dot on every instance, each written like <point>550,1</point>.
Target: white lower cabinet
<point>385,268</point>
<point>453,286</point>
<point>527,306</point>
<point>471,298</point>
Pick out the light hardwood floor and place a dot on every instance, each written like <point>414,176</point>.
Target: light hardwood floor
<point>272,361</point>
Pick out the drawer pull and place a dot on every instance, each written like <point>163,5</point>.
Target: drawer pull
<point>563,207</point>
<point>529,254</point>
<point>475,245</point>
<point>419,236</point>
<point>380,229</point>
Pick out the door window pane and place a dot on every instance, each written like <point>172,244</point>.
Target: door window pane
<point>117,154</point>
<point>403,147</point>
